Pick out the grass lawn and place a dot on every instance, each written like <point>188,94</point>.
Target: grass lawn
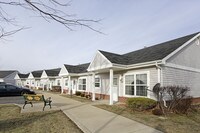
<point>173,123</point>
<point>77,98</point>
<point>11,120</point>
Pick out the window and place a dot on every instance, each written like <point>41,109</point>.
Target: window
<point>82,84</point>
<point>115,81</point>
<point>32,82</point>
<point>97,82</point>
<point>41,85</point>
<point>66,82</point>
<point>58,82</point>
<point>141,84</point>
<point>136,84</point>
<point>129,85</point>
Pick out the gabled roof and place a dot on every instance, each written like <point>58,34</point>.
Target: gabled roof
<point>23,75</point>
<point>4,74</point>
<point>37,74</point>
<point>82,68</point>
<point>115,58</point>
<point>53,72</point>
<point>152,53</point>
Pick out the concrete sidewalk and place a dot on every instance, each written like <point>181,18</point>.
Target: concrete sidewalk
<point>91,119</point>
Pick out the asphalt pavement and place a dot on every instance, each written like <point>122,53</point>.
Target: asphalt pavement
<point>12,100</point>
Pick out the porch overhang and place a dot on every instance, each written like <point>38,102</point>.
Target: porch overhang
<point>118,67</point>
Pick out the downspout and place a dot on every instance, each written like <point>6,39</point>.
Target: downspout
<point>158,72</point>
<point>159,80</point>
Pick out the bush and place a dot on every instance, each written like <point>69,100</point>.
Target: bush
<point>141,104</point>
<point>78,93</point>
<point>176,97</point>
<point>96,98</point>
<point>157,112</point>
<point>82,95</point>
<point>56,89</point>
<point>88,96</point>
<point>183,106</point>
<point>40,88</point>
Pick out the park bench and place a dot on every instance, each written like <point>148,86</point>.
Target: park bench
<point>30,99</point>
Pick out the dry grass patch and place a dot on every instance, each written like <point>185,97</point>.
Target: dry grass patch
<point>11,120</point>
<point>78,98</point>
<point>172,123</point>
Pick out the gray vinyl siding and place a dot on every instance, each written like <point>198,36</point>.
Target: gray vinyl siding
<point>174,76</point>
<point>10,78</point>
<point>104,81</point>
<point>188,56</point>
<point>104,88</point>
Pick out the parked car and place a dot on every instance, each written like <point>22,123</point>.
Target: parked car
<point>12,90</point>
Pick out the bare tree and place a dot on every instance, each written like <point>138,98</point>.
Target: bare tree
<point>50,10</point>
<point>173,98</point>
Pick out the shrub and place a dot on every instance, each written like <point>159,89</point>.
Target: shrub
<point>56,89</point>
<point>141,104</point>
<point>172,98</point>
<point>88,96</point>
<point>157,112</point>
<point>96,98</point>
<point>183,106</point>
<point>82,95</point>
<point>40,88</point>
<point>78,93</point>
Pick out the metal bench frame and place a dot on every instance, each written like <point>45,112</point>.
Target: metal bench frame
<point>34,98</point>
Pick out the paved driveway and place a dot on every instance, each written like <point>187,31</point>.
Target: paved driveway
<point>12,99</point>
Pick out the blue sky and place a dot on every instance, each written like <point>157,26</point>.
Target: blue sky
<point>128,25</point>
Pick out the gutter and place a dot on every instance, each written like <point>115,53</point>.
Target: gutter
<point>151,63</point>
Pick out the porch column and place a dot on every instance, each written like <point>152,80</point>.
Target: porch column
<point>93,86</point>
<point>111,87</point>
<point>69,85</point>
<point>62,84</point>
<point>50,85</point>
<point>43,84</point>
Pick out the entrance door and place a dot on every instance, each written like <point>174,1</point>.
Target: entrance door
<point>115,88</point>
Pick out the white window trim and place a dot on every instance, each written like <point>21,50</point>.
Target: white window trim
<point>134,73</point>
<point>85,84</point>
<point>66,79</point>
<point>98,82</point>
<point>58,81</point>
<point>117,77</point>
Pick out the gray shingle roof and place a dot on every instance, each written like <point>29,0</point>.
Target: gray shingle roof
<point>78,68</point>
<point>4,74</point>
<point>23,75</point>
<point>156,52</point>
<point>53,72</point>
<point>37,74</point>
